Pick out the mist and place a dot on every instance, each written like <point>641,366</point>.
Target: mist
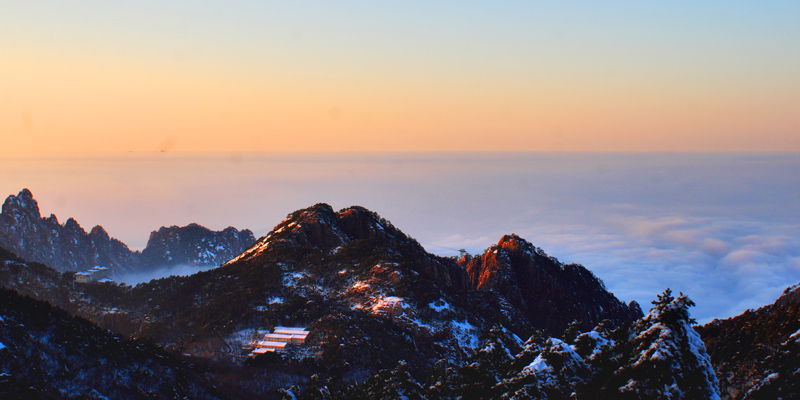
<point>135,278</point>
<point>722,228</point>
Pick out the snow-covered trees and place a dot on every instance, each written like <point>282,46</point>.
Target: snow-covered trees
<point>659,356</point>
<point>665,357</point>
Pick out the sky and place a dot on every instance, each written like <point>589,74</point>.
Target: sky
<point>655,143</point>
<point>723,228</point>
<point>237,76</point>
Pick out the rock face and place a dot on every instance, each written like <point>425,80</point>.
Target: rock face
<point>551,294</point>
<point>194,244</point>
<point>69,247</point>
<point>757,354</point>
<point>64,247</point>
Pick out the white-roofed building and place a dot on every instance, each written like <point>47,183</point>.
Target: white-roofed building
<point>96,274</point>
<point>278,340</point>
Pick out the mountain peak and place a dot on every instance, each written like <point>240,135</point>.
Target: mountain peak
<point>22,202</point>
<point>320,227</point>
<point>552,294</point>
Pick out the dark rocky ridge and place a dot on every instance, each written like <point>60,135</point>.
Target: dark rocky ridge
<point>551,294</point>
<point>69,247</point>
<point>754,354</point>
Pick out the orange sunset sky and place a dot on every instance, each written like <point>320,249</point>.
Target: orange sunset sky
<point>78,77</point>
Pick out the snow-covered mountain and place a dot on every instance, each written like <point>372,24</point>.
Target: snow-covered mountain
<point>389,320</point>
<point>68,247</point>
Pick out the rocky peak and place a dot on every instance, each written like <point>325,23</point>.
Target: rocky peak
<point>790,296</point>
<point>100,233</point>
<point>21,204</point>
<point>552,294</point>
<point>193,244</point>
<point>73,225</point>
<point>320,227</point>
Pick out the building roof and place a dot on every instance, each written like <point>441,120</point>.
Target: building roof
<point>269,343</point>
<point>291,330</point>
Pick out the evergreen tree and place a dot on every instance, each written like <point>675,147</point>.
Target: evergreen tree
<point>665,357</point>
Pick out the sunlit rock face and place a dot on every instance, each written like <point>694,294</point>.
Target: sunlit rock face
<point>550,293</point>
<point>69,247</point>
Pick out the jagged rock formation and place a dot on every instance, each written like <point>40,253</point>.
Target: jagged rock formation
<point>757,354</point>
<point>64,247</point>
<point>69,247</point>
<point>551,294</point>
<point>194,244</point>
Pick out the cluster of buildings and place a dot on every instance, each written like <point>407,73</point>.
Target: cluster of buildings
<point>96,274</point>
<point>277,341</point>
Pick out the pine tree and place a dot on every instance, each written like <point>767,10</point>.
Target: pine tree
<point>665,357</point>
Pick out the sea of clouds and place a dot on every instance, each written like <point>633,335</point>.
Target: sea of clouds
<point>722,228</point>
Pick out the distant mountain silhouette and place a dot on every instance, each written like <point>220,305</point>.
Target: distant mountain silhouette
<point>69,247</point>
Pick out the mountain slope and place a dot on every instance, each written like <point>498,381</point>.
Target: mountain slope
<point>757,354</point>
<point>45,353</point>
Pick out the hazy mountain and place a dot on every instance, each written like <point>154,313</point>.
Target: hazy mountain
<point>194,244</point>
<point>64,247</point>
<point>69,247</point>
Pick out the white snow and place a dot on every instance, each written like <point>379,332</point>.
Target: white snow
<point>2,346</point>
<point>276,300</point>
<point>439,305</point>
<point>538,365</point>
<point>359,285</point>
<point>465,333</point>
<point>795,336</point>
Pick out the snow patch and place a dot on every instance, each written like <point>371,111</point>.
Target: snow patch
<point>465,333</point>
<point>439,305</point>
<point>538,365</point>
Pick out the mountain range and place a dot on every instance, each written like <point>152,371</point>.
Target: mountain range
<point>387,319</point>
<point>68,247</point>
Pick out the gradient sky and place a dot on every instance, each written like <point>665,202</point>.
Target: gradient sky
<point>96,76</point>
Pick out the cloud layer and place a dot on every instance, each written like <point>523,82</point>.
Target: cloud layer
<point>722,228</point>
